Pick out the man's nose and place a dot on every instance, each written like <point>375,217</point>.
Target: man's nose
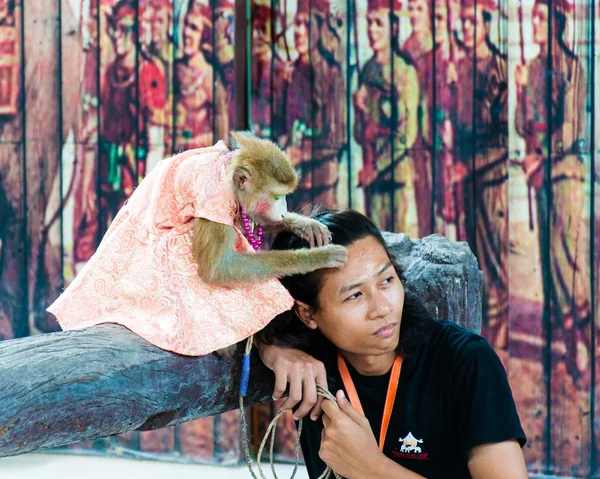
<point>380,305</point>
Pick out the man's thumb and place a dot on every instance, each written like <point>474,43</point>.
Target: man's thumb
<point>347,407</point>
<point>341,399</point>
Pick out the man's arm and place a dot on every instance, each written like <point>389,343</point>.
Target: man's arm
<point>496,461</point>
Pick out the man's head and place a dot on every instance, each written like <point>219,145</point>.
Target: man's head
<point>441,22</point>
<point>420,18</point>
<point>261,29</point>
<point>122,28</point>
<point>195,21</point>
<point>358,307</point>
<point>382,23</point>
<point>541,19</point>
<point>473,19</point>
<point>301,27</point>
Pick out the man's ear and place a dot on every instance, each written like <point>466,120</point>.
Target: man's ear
<point>241,178</point>
<point>306,314</point>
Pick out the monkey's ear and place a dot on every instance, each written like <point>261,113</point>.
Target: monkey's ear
<point>241,178</point>
<point>306,314</point>
<point>240,136</point>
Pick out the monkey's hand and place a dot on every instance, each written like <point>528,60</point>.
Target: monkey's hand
<point>227,352</point>
<point>330,256</point>
<point>316,233</point>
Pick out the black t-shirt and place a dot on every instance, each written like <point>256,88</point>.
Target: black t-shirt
<point>453,395</point>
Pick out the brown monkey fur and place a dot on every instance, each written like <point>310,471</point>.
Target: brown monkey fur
<point>258,171</point>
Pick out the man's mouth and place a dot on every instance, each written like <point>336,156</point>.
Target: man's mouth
<point>386,331</point>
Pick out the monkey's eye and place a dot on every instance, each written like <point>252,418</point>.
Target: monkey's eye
<point>277,197</point>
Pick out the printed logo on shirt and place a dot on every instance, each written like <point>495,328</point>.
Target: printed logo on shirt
<point>410,448</point>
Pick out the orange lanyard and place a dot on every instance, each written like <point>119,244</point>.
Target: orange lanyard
<point>389,398</point>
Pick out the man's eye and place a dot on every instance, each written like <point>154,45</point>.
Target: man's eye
<point>388,280</point>
<point>355,296</point>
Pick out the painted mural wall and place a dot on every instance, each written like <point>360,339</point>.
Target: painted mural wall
<point>474,119</point>
<point>93,93</point>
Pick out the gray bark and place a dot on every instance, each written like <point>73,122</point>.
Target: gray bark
<point>443,274</point>
<point>75,386</point>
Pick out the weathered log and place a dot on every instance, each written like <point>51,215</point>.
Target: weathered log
<point>444,274</point>
<point>75,386</point>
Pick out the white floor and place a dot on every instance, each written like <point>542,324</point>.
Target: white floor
<point>58,466</point>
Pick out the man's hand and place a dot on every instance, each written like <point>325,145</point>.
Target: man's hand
<point>302,372</point>
<point>348,445</point>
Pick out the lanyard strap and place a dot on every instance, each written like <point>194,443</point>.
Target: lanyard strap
<point>389,398</point>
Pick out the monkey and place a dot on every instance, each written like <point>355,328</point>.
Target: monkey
<point>261,177</point>
<point>178,265</point>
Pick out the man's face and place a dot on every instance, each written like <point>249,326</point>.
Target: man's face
<point>192,33</point>
<point>122,33</point>
<point>160,25</point>
<point>418,12</point>
<point>146,26</point>
<point>224,23</point>
<point>540,24</point>
<point>301,23</point>
<point>378,28</point>
<point>261,44</point>
<point>441,24</point>
<point>473,27</point>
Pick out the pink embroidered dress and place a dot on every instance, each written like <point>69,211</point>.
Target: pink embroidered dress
<point>142,275</point>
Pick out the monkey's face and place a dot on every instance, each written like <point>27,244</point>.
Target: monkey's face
<point>262,178</point>
<point>360,305</point>
<point>268,207</point>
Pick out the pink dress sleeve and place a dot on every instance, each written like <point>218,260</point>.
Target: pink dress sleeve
<point>202,189</point>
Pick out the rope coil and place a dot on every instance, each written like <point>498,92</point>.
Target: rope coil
<point>321,391</point>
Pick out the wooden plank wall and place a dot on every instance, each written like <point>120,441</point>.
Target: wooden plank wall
<point>422,119</point>
<point>448,145</point>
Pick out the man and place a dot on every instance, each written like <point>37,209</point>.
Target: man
<point>560,221</point>
<point>200,116</point>
<point>482,140</point>
<point>315,114</point>
<point>386,124</point>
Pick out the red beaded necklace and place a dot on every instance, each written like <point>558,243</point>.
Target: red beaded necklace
<point>255,240</point>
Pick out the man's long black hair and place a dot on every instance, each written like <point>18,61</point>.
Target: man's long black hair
<point>346,227</point>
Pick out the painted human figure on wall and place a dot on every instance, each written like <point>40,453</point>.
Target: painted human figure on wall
<point>554,128</point>
<point>201,111</point>
<point>481,135</point>
<point>386,125</point>
<point>315,115</point>
<point>134,91</point>
<point>268,76</point>
<point>224,54</point>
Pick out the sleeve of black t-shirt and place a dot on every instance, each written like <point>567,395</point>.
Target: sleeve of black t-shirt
<point>483,401</point>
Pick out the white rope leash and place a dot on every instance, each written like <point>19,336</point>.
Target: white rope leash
<point>321,391</point>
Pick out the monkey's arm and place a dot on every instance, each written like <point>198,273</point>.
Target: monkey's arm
<point>219,263</point>
<point>309,229</point>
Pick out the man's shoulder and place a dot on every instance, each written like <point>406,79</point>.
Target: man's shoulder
<point>455,341</point>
